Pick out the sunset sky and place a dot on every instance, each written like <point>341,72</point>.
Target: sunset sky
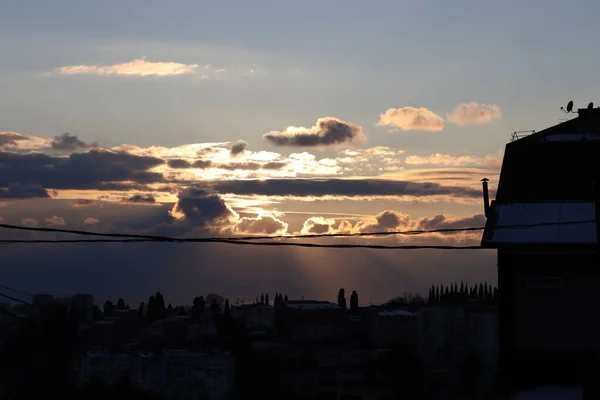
<point>196,118</point>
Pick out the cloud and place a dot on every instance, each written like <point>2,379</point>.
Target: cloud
<point>66,142</point>
<point>140,199</point>
<point>201,208</point>
<point>83,203</point>
<point>137,67</point>
<point>411,118</point>
<point>443,159</point>
<point>263,224</point>
<point>56,221</point>
<point>238,148</point>
<point>339,187</point>
<point>91,221</point>
<point>442,221</point>
<point>178,163</point>
<point>19,191</point>
<point>474,113</point>
<point>95,169</point>
<point>489,160</point>
<point>30,222</point>
<point>10,139</point>
<point>318,226</point>
<point>252,166</point>
<point>388,220</point>
<point>328,131</point>
<point>18,142</point>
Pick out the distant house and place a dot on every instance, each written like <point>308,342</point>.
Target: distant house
<point>314,320</point>
<point>548,271</point>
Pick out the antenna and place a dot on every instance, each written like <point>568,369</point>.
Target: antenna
<point>569,108</point>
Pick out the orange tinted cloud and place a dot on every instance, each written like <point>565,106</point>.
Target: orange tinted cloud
<point>137,67</point>
<point>474,113</point>
<point>412,119</point>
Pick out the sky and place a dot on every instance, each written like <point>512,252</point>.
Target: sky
<point>270,118</point>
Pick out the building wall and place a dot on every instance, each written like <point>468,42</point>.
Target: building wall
<point>555,305</point>
<point>548,318</point>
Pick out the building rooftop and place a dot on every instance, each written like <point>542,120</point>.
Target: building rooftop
<point>551,393</point>
<point>311,305</point>
<point>396,313</point>
<point>559,163</point>
<point>497,231</point>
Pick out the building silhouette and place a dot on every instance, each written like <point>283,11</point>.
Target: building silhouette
<point>548,273</point>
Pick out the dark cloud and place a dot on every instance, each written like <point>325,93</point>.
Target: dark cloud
<point>20,191</point>
<point>95,169</point>
<point>327,132</point>
<point>201,208</point>
<point>179,163</point>
<point>201,164</point>
<point>140,199</point>
<point>238,148</point>
<point>340,187</point>
<point>68,142</point>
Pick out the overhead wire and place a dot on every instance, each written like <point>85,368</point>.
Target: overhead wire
<point>257,240</point>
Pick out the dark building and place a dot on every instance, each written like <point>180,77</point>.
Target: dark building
<point>548,271</point>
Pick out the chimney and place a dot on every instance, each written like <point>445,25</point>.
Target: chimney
<point>597,210</point>
<point>486,197</point>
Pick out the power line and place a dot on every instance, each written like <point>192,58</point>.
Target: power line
<point>245,243</point>
<point>248,238</point>
<point>16,290</point>
<point>15,299</point>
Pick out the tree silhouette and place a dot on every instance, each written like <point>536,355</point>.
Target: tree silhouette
<point>96,312</point>
<point>108,307</point>
<point>140,311</point>
<point>437,294</point>
<point>267,298</point>
<point>285,299</point>
<point>226,309</point>
<point>120,304</point>
<point>354,301</point>
<point>198,307</point>
<point>342,298</point>
<point>151,311</point>
<point>161,311</point>
<point>262,299</point>
<point>214,306</point>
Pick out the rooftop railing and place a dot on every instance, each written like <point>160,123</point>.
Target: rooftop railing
<point>520,134</point>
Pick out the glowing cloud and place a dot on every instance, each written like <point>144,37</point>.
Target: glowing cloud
<point>474,113</point>
<point>412,119</point>
<point>137,67</point>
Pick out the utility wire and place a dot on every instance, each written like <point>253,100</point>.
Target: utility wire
<point>245,243</point>
<point>15,299</point>
<point>248,238</point>
<point>16,290</point>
